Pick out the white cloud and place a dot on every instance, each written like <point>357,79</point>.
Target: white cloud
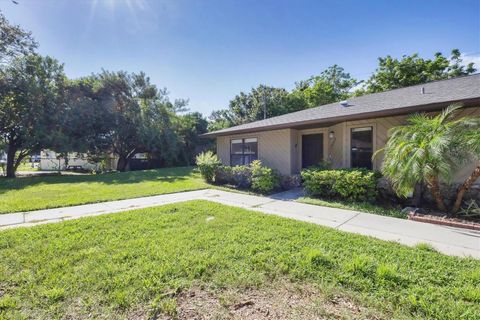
<point>468,58</point>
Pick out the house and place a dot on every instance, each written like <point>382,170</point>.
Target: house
<point>50,160</point>
<point>344,133</point>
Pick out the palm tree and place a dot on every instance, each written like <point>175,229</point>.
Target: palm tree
<point>466,148</point>
<point>429,149</point>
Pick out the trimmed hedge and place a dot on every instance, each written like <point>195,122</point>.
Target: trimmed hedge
<point>346,184</point>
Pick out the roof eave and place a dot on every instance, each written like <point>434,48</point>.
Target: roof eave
<point>359,116</point>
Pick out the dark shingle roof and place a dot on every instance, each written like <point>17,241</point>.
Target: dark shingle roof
<point>409,99</point>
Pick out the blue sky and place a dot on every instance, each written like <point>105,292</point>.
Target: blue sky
<point>208,51</point>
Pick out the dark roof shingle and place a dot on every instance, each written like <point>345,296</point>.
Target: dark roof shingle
<point>459,89</point>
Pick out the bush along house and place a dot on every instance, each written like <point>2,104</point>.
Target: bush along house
<point>346,133</point>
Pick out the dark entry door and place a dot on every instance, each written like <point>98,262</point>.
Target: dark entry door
<point>362,147</point>
<point>312,149</point>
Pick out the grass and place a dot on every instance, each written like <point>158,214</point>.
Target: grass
<point>33,193</point>
<point>27,166</point>
<point>357,206</point>
<point>138,263</point>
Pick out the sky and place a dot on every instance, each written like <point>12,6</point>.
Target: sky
<point>209,51</point>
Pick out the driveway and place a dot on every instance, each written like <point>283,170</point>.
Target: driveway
<point>448,240</point>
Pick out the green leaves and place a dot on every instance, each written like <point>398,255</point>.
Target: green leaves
<point>207,163</point>
<point>393,73</point>
<point>429,148</point>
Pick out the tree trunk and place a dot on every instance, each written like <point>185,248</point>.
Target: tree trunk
<point>418,195</point>
<point>122,164</point>
<point>435,188</point>
<point>464,188</point>
<point>11,168</point>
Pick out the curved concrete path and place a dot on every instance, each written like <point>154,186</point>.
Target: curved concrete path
<point>452,241</point>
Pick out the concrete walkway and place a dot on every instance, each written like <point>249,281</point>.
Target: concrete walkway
<point>452,241</point>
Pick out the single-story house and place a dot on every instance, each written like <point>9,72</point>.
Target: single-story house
<point>344,133</point>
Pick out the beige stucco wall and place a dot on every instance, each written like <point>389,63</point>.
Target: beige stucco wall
<point>275,148</point>
<point>282,149</point>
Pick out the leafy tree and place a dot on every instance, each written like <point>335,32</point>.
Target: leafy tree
<point>124,95</point>
<point>247,107</point>
<point>14,41</point>
<point>429,149</point>
<point>190,127</point>
<point>395,73</point>
<point>159,135</point>
<point>32,99</point>
<point>87,122</point>
<point>332,85</point>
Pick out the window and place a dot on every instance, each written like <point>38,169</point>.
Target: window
<point>243,151</point>
<point>361,143</point>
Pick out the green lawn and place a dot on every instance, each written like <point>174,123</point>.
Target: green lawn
<point>142,264</point>
<point>357,206</point>
<point>32,193</point>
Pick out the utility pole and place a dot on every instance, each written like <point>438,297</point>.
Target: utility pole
<point>264,103</point>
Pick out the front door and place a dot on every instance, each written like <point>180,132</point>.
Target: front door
<point>361,147</point>
<point>312,149</point>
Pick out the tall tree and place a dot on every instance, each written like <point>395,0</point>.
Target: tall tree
<point>393,73</point>
<point>32,100</point>
<point>122,93</point>
<point>332,85</point>
<point>262,101</point>
<point>190,127</point>
<point>14,41</point>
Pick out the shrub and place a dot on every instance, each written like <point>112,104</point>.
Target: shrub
<point>264,179</point>
<point>320,182</point>
<point>207,163</point>
<point>242,176</point>
<point>347,184</point>
<point>223,175</point>
<point>290,182</point>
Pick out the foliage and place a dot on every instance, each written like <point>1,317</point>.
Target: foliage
<point>207,163</point>
<point>14,41</point>
<point>242,176</point>
<point>470,209</point>
<point>224,175</point>
<point>395,73</point>
<point>32,101</point>
<point>120,263</point>
<point>248,107</point>
<point>347,184</point>
<point>332,85</point>
<point>255,176</point>
<point>189,127</point>
<point>264,179</point>
<point>43,192</point>
<point>288,182</point>
<point>428,149</point>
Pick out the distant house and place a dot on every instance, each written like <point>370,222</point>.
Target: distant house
<point>50,160</point>
<point>345,133</point>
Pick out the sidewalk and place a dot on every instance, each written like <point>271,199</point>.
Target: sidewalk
<point>448,240</point>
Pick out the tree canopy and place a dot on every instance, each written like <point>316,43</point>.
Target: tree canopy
<point>393,73</point>
<point>31,106</point>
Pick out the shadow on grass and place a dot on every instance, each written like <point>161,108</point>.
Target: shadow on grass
<point>159,175</point>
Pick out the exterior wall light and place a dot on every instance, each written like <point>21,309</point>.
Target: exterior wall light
<point>331,135</point>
